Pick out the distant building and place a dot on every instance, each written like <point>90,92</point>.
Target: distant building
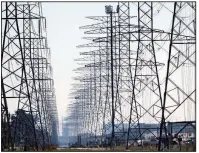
<point>178,127</point>
<point>64,138</point>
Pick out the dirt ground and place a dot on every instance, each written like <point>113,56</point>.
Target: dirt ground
<point>122,149</point>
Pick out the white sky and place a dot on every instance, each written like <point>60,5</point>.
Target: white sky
<point>63,22</point>
<point>63,33</point>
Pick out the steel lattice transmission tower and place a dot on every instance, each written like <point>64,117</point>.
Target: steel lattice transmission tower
<point>146,78</point>
<point>181,59</point>
<point>122,81</point>
<point>27,83</point>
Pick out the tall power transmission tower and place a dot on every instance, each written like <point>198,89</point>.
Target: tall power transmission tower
<point>181,59</point>
<point>27,83</point>
<point>128,89</point>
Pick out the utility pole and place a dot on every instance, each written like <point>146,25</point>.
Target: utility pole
<point>109,10</point>
<point>112,79</point>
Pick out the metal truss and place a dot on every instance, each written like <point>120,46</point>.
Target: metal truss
<point>182,58</point>
<point>121,83</point>
<point>27,83</point>
<point>146,78</point>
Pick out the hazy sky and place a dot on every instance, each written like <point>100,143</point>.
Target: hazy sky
<point>63,22</point>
